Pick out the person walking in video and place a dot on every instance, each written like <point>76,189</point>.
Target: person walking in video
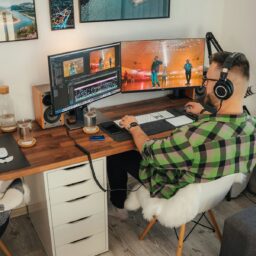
<point>154,71</point>
<point>110,62</point>
<point>72,69</point>
<point>101,64</point>
<point>164,76</point>
<point>188,69</point>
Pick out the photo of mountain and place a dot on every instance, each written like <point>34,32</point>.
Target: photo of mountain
<point>17,20</point>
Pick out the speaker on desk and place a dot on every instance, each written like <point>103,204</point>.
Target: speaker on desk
<point>43,107</point>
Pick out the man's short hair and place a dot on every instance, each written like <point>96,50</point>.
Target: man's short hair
<point>240,63</point>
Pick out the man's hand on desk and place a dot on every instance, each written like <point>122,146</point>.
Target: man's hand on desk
<point>130,123</point>
<point>194,108</point>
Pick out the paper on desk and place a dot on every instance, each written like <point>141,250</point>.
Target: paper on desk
<point>179,120</point>
<point>162,115</point>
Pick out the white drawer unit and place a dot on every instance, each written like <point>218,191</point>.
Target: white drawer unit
<point>69,211</point>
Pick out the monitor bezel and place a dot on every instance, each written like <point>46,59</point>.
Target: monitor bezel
<point>160,89</point>
<point>89,76</point>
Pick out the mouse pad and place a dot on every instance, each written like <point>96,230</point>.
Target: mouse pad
<point>19,160</point>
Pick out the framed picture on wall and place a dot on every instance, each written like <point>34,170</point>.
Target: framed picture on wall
<point>17,20</point>
<point>62,14</point>
<point>110,10</point>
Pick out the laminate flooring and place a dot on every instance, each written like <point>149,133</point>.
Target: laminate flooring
<point>22,240</point>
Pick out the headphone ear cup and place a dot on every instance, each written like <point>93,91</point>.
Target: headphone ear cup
<point>223,90</point>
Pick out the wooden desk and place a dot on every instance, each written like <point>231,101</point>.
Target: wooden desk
<point>67,209</point>
<point>55,149</point>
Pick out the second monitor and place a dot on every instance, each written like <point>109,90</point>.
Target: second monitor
<point>162,64</point>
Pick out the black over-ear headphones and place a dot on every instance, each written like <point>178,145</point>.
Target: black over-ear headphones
<point>223,89</point>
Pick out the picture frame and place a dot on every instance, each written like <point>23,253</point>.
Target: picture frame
<point>61,14</point>
<point>17,20</point>
<point>113,10</point>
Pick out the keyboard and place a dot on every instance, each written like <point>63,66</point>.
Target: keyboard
<point>151,117</point>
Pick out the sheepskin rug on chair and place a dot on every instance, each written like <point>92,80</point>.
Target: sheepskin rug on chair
<point>185,204</point>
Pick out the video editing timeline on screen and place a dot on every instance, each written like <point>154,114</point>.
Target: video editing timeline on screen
<point>96,88</point>
<point>81,77</point>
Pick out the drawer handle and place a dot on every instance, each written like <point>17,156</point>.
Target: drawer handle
<point>77,199</point>
<point>74,167</point>
<point>75,221</point>
<point>76,183</point>
<point>79,240</point>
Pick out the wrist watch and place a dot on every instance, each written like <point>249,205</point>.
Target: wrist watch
<point>202,111</point>
<point>132,124</point>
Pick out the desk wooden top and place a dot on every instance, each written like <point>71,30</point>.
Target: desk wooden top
<point>54,149</point>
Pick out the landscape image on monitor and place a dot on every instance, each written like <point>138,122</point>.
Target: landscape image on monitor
<point>73,67</point>
<point>102,59</point>
<point>162,64</point>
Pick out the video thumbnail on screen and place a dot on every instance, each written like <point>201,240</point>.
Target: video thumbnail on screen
<point>73,67</point>
<point>102,59</point>
<point>162,64</point>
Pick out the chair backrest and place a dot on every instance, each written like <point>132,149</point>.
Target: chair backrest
<point>196,198</point>
<point>187,202</point>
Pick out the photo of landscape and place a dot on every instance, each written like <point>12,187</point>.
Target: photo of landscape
<point>17,20</point>
<point>62,14</point>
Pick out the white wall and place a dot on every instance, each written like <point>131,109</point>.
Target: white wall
<point>238,34</point>
<point>24,63</point>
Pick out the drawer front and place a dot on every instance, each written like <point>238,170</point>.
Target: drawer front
<point>79,229</point>
<point>74,174</point>
<point>75,190</point>
<point>77,209</point>
<point>89,246</point>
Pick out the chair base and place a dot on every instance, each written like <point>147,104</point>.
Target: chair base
<point>4,249</point>
<point>182,231</point>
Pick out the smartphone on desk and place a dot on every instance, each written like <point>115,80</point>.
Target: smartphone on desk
<point>97,138</point>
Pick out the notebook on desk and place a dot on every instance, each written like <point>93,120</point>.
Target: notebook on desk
<point>13,152</point>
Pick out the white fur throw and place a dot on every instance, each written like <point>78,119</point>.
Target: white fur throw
<point>185,204</point>
<point>12,194</point>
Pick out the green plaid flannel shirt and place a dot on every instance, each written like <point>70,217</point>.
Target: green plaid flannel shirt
<point>205,150</point>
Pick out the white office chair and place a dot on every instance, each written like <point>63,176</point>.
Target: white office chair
<point>12,194</point>
<point>183,206</point>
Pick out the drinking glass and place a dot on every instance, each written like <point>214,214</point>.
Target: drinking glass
<point>25,131</point>
<point>90,119</point>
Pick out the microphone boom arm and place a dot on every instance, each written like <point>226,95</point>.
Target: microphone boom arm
<point>210,39</point>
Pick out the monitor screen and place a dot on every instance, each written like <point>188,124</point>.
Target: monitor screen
<point>80,77</point>
<point>162,64</point>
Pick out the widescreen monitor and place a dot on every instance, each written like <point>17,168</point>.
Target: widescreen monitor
<point>162,64</point>
<point>80,77</point>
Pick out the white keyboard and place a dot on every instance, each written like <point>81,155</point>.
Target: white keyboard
<point>151,117</point>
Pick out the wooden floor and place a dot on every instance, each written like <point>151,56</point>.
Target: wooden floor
<point>123,235</point>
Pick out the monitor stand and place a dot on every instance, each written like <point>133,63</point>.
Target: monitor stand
<point>74,119</point>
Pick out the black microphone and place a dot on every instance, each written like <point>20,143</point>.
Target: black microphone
<point>250,91</point>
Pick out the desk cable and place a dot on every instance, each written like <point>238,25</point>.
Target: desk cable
<point>88,154</point>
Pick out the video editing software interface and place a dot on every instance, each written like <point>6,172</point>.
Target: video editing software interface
<point>83,76</point>
<point>162,64</point>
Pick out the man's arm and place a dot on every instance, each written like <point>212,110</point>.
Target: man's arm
<point>137,133</point>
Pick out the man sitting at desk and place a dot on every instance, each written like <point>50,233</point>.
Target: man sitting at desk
<point>216,145</point>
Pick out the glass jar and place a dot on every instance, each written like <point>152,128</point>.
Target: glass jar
<point>7,116</point>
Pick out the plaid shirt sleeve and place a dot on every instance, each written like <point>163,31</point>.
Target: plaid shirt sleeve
<point>174,152</point>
